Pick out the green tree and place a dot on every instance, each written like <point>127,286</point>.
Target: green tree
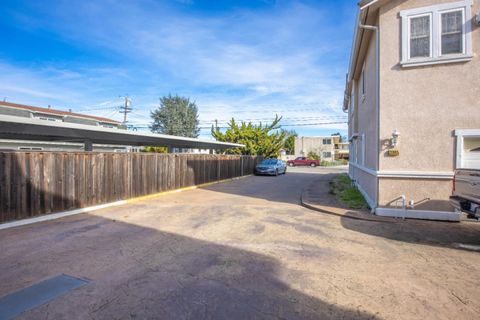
<point>156,149</point>
<point>289,143</point>
<point>176,116</point>
<point>263,140</point>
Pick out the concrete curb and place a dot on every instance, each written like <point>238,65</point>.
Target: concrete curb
<point>58,215</point>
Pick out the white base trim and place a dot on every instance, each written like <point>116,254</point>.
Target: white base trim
<point>405,174</point>
<point>364,169</point>
<point>416,174</point>
<point>418,214</point>
<point>58,215</point>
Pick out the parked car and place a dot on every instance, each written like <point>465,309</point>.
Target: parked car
<point>466,191</point>
<point>303,161</point>
<point>271,167</point>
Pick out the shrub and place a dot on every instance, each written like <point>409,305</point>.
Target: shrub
<point>156,149</point>
<point>326,163</point>
<point>312,155</point>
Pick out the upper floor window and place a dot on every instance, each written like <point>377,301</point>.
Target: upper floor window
<point>327,141</point>
<point>436,34</point>
<point>49,119</point>
<point>420,36</point>
<point>452,32</point>
<point>30,148</point>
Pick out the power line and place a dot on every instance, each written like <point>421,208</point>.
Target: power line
<point>139,126</point>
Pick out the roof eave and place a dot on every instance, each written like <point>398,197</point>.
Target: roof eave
<point>361,17</point>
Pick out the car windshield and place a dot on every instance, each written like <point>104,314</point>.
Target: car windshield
<point>268,162</point>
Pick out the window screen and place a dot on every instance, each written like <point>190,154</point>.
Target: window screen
<point>452,33</point>
<point>420,37</point>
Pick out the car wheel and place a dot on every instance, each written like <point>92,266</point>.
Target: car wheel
<point>291,164</point>
<point>313,165</point>
<point>276,172</point>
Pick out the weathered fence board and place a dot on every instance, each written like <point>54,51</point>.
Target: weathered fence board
<point>37,183</point>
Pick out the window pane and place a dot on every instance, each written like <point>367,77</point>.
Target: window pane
<point>452,36</point>
<point>420,37</point>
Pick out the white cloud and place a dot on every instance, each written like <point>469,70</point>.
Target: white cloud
<point>239,59</point>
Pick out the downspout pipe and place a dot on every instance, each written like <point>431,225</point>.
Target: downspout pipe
<point>377,126</point>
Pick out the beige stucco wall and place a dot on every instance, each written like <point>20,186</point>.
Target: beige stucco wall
<point>425,104</point>
<point>413,189</point>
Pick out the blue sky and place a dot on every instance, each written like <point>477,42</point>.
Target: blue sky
<point>242,59</point>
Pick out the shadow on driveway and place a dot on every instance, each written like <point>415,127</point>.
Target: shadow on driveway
<point>140,272</point>
<point>434,233</point>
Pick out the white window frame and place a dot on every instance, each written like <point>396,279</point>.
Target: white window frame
<point>464,40</point>
<point>30,148</point>
<point>435,13</point>
<point>409,18</point>
<point>461,135</point>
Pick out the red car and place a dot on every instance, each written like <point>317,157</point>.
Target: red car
<point>303,161</point>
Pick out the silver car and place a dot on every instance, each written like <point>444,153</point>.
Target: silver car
<point>272,167</point>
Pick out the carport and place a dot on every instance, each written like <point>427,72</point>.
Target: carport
<point>12,127</point>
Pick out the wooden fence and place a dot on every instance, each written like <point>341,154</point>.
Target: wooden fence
<point>37,183</point>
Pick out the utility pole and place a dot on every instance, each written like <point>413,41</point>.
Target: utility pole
<point>126,108</point>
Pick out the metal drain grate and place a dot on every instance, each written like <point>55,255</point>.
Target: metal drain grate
<point>31,297</point>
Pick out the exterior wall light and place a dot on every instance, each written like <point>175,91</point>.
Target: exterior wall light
<point>395,135</point>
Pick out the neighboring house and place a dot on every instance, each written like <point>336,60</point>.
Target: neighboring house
<point>323,146</point>
<point>49,114</point>
<point>413,98</point>
<point>53,115</point>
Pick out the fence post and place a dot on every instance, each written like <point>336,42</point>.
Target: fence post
<point>241,166</point>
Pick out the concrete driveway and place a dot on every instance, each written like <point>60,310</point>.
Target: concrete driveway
<point>245,250</point>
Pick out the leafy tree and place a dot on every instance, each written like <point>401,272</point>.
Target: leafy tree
<point>264,140</point>
<point>289,143</point>
<point>312,155</point>
<point>176,116</point>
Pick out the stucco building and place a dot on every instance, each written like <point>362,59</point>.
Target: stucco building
<point>50,115</point>
<point>329,148</point>
<point>413,99</point>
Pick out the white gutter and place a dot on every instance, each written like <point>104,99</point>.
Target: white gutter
<point>368,4</point>
<point>355,41</point>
